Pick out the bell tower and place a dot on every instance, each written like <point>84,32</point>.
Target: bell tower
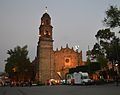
<point>45,29</point>
<point>45,52</point>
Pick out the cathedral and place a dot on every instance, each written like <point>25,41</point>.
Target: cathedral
<point>53,64</point>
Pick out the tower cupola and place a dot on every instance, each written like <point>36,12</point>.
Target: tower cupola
<point>45,29</point>
<point>45,20</point>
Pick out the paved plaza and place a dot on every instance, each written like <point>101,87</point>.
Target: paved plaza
<point>109,89</point>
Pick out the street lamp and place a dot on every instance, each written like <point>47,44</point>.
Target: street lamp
<point>116,68</point>
<point>116,65</point>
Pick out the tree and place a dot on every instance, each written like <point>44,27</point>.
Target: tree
<point>112,18</point>
<point>113,53</point>
<point>18,64</point>
<point>108,45</point>
<point>100,49</point>
<point>98,55</point>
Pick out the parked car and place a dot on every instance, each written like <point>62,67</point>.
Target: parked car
<point>81,78</point>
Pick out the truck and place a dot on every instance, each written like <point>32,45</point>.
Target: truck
<point>77,78</point>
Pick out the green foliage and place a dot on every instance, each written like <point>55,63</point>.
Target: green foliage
<point>97,50</point>
<point>17,62</point>
<point>112,18</point>
<point>104,34</point>
<point>102,60</point>
<point>108,46</point>
<point>113,53</point>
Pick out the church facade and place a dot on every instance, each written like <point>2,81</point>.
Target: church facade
<point>53,64</point>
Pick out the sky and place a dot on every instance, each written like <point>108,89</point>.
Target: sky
<point>75,22</point>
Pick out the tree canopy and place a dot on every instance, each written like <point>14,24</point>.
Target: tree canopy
<point>18,62</point>
<point>112,18</point>
<point>107,47</point>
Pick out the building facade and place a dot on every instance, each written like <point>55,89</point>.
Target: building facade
<point>53,64</point>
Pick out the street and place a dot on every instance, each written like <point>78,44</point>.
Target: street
<point>109,89</point>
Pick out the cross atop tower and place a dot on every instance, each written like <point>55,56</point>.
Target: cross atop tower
<point>46,9</point>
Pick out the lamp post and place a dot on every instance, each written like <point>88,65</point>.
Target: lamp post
<point>117,74</point>
<point>116,69</point>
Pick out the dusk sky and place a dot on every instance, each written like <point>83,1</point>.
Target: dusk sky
<point>75,22</point>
